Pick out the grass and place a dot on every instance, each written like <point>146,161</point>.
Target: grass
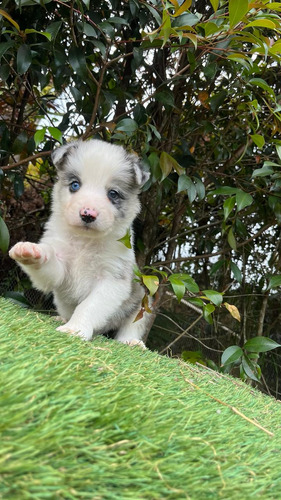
<point>103,421</point>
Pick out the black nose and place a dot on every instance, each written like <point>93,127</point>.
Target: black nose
<point>87,215</point>
<point>87,218</point>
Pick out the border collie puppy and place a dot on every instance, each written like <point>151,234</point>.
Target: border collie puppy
<point>80,258</point>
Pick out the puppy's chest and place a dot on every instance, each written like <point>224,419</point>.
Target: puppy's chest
<point>87,269</point>
<point>85,266</point>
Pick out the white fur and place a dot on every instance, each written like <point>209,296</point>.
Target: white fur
<point>88,270</point>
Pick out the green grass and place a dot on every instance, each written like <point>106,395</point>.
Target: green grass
<point>100,420</point>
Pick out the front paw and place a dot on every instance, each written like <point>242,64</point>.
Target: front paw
<point>75,330</point>
<point>135,342</point>
<point>28,253</point>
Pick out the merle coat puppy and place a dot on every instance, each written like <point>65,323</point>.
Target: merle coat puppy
<point>79,257</point>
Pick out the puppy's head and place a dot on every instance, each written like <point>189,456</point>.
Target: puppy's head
<point>98,186</point>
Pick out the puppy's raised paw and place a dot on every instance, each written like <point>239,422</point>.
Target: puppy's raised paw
<point>27,253</point>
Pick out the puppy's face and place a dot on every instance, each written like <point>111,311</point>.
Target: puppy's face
<point>98,186</point>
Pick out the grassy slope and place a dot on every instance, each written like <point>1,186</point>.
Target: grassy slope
<point>104,421</point>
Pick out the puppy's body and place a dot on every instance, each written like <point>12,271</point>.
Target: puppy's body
<point>79,257</point>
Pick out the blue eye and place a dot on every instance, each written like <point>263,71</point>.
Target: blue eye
<point>113,195</point>
<point>74,186</point>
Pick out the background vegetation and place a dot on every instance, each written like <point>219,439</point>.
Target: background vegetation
<point>194,89</point>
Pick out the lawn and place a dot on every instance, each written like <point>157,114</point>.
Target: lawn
<point>103,421</point>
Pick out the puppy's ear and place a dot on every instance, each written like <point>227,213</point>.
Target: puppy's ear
<point>141,175</point>
<point>59,155</point>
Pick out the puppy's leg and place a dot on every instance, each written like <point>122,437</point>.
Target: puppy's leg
<point>40,262</point>
<point>93,314</point>
<point>132,332</point>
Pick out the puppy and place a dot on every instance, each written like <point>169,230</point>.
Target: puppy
<point>80,258</point>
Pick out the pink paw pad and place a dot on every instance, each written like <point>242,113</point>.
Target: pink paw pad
<point>28,253</point>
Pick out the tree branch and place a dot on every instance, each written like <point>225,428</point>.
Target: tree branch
<point>10,166</point>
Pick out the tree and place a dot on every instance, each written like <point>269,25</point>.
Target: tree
<point>194,88</point>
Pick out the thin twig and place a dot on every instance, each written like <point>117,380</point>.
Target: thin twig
<point>88,130</point>
<point>220,252</point>
<point>10,166</point>
<point>182,334</point>
<point>235,410</point>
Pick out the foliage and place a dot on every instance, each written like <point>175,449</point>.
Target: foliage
<point>247,357</point>
<point>194,89</point>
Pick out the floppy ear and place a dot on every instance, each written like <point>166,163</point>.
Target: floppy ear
<point>141,175</point>
<point>60,154</point>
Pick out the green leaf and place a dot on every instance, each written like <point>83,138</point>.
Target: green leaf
<point>217,100</point>
<point>231,354</point>
<point>4,47</point>
<point>24,59</point>
<point>166,164</point>
<point>44,33</point>
<point>259,82</point>
<point>117,20</point>
<point>191,192</point>
<point>237,10</point>
<point>249,368</point>
<point>100,46</point>
<point>127,125</point>
<point>278,150</point>
<point>263,172</point>
<point>9,18</point>
<point>78,61</point>
<point>243,200</point>
<point>184,183</point>
<point>18,298</point>
<point>215,297</point>
<point>166,27</point>
<point>151,282</point>
<point>178,287</point>
<point>228,206</point>
<point>56,133</point>
<point>208,309</point>
<point>155,131</point>
<point>260,344</point>
<point>263,23</point>
<point>274,6</point>
<point>236,272</point>
<point>89,30</point>
<point>210,28</point>
<point>215,4</point>
<point>224,190</point>
<point>182,8</point>
<point>126,240</point>
<point>258,140</point>
<point>54,29</point>
<point>193,357</point>
<point>200,188</point>
<point>193,38</point>
<point>231,239</point>
<point>18,186</point>
<point>217,266</point>
<point>189,282</point>
<point>39,136</point>
<point>274,281</point>
<point>4,236</point>
<point>197,302</point>
<point>166,97</point>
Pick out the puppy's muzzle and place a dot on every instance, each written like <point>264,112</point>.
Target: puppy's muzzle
<point>88,215</point>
